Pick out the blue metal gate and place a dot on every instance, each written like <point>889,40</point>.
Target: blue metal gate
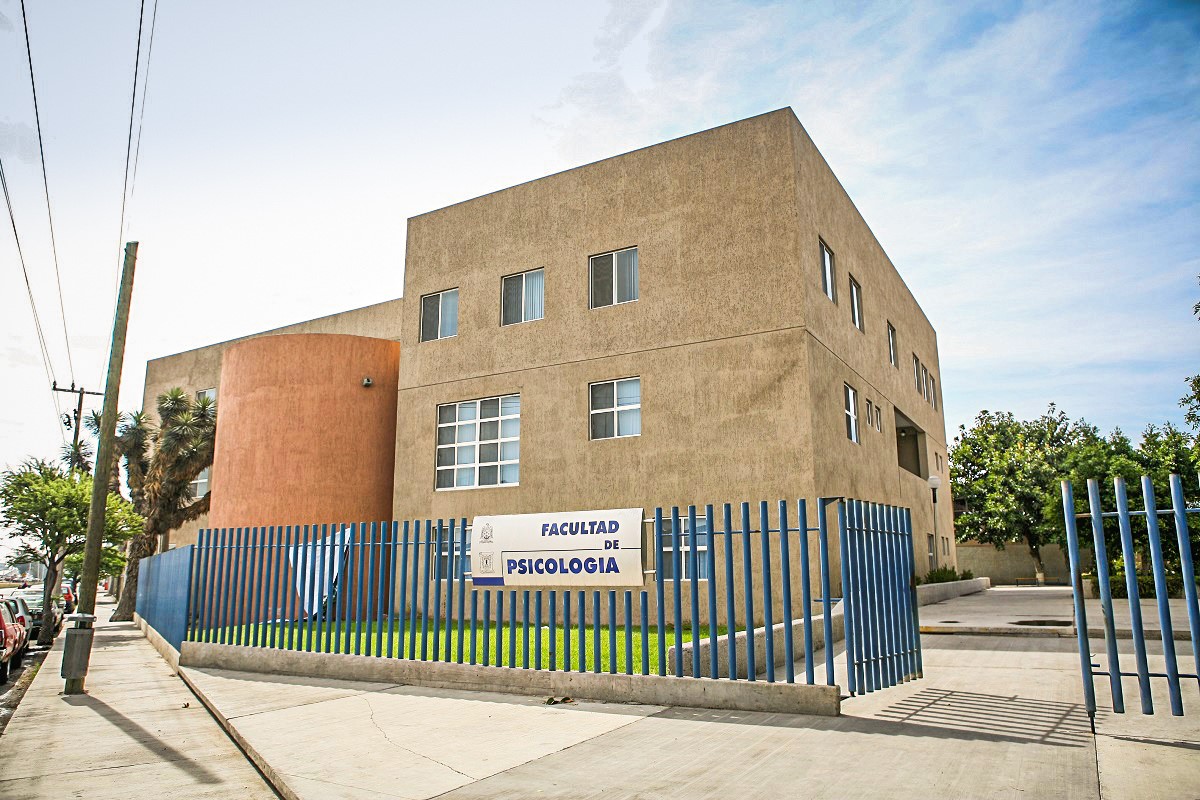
<point>1167,574</point>
<point>163,592</point>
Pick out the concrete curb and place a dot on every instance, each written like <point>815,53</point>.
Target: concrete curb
<point>786,698</point>
<point>1042,632</point>
<point>261,764</point>
<point>929,593</point>
<point>164,648</point>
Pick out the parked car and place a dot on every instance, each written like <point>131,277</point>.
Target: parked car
<point>20,614</point>
<point>11,637</point>
<point>33,596</point>
<point>68,598</point>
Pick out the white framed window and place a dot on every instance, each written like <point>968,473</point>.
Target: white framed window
<point>456,549</point>
<point>851,413</point>
<point>856,309</point>
<point>703,540</point>
<point>615,408</point>
<point>439,315</point>
<point>828,284</point>
<point>479,443</point>
<point>523,297</point>
<point>870,414</point>
<point>613,277</point>
<point>933,392</point>
<point>200,484</point>
<point>924,388</point>
<point>895,361</point>
<point>920,384</point>
<point>879,418</point>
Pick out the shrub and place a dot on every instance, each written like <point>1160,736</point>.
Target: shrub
<point>944,575</point>
<point>1116,583</point>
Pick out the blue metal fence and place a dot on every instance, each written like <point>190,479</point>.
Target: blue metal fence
<point>164,590</point>
<point>1126,556</point>
<point>726,588</point>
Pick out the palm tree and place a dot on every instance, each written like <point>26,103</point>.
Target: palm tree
<point>160,464</point>
<point>77,456</point>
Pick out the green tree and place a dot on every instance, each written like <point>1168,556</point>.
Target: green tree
<point>46,509</point>
<point>1190,402</point>
<point>161,461</point>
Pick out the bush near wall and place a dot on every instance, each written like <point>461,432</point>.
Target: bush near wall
<point>1146,589</point>
<point>944,575</point>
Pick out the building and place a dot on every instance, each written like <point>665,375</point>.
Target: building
<point>705,320</point>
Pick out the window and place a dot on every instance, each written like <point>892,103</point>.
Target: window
<point>878,418</point>
<point>699,564</point>
<point>856,311</point>
<point>892,346</point>
<point>851,413</point>
<point>945,546</point>
<point>827,282</point>
<point>933,392</point>
<point>616,408</point>
<point>917,374</point>
<point>924,388</point>
<point>523,297</point>
<point>937,458</point>
<point>870,414</point>
<point>479,443</point>
<point>932,551</point>
<point>461,554</point>
<point>614,277</point>
<point>201,482</point>
<point>439,315</point>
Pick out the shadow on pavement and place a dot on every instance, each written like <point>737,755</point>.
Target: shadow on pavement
<point>142,736</point>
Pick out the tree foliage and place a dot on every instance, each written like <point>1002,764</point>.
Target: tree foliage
<point>46,509</point>
<point>1006,475</point>
<point>160,463</point>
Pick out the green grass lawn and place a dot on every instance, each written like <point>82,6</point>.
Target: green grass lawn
<point>371,639</point>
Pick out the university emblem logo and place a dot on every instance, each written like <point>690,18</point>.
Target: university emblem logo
<point>485,535</point>
<point>487,563</point>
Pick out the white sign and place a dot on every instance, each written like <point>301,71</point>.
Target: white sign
<point>573,548</point>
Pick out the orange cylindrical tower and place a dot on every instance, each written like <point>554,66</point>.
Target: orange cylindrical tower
<point>306,431</point>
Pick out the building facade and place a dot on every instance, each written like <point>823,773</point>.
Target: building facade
<point>705,320</point>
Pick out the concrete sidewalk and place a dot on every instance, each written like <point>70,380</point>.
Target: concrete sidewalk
<point>993,717</point>
<point>138,732</point>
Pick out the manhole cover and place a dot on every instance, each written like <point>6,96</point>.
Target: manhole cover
<point>1045,623</point>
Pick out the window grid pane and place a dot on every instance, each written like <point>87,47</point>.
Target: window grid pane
<point>851,413</point>
<point>484,453</point>
<point>622,397</point>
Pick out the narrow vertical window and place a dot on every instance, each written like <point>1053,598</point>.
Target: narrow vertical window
<point>523,297</point>
<point>439,315</point>
<point>613,277</point>
<point>870,414</point>
<point>615,408</point>
<point>924,382</point>
<point>892,346</point>
<point>827,280</point>
<point>856,310</point>
<point>917,374</point>
<point>851,413</point>
<point>933,392</point>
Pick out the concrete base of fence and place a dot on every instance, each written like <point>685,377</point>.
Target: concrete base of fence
<point>164,648</point>
<point>937,592</point>
<point>837,618</point>
<point>788,698</point>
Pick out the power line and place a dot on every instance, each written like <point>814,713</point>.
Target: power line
<point>46,188</point>
<point>37,320</point>
<point>137,150</point>
<point>137,60</point>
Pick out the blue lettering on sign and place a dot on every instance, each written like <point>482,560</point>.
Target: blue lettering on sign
<point>552,566</point>
<point>577,528</point>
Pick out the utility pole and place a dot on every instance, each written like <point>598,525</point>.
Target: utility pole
<point>78,413</point>
<point>78,648</point>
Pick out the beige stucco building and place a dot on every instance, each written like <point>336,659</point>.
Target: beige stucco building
<point>708,319</point>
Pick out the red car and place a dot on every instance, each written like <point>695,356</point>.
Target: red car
<point>14,640</point>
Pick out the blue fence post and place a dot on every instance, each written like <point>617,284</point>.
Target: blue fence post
<point>552,642</point>
<point>730,615</point>
<point>748,586</point>
<point>764,523</point>
<point>1186,568</point>
<point>826,600</point>
<point>1135,605</point>
<point>676,597</point>
<point>428,544</point>
<point>694,587</point>
<point>785,565</point>
<point>1161,593</point>
<point>628,632</point>
<point>462,563</point>
<point>806,589</point>
<point>912,592</point>
<point>1085,650</point>
<point>436,576</point>
<point>566,630</point>
<point>1106,604</point>
<point>645,620</point>
<point>537,624</point>
<point>392,590</point>
<point>612,632</point>
<point>713,667</point>
<point>658,592</point>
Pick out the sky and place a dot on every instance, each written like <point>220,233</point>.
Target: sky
<point>1032,169</point>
